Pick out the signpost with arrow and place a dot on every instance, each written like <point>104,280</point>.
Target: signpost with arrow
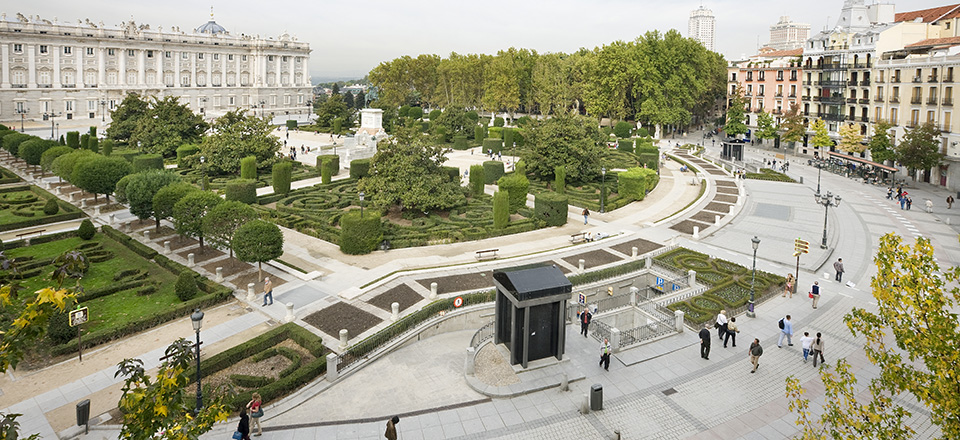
<point>800,247</point>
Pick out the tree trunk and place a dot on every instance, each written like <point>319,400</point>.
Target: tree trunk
<point>260,271</point>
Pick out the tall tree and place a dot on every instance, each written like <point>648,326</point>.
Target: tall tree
<point>552,83</point>
<point>125,118</point>
<point>167,125</point>
<point>766,128</point>
<point>100,174</point>
<point>792,126</point>
<point>501,86</point>
<point>334,108</point>
<point>881,145</point>
<point>821,138</point>
<point>236,135</point>
<point>168,196</point>
<point>736,115</point>
<point>222,222</point>
<point>570,141</point>
<point>258,241</point>
<point>188,213</point>
<point>851,140</point>
<point>142,186</point>
<point>920,148</point>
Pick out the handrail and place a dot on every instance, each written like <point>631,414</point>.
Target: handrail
<point>482,334</point>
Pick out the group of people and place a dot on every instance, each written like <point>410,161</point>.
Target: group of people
<point>584,316</point>
<point>903,197</point>
<point>727,330</point>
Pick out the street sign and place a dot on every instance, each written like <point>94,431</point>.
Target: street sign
<point>801,246</point>
<point>797,253</point>
<point>458,302</point>
<point>581,298</point>
<point>78,316</point>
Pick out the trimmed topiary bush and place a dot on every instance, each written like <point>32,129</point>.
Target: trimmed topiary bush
<point>282,176</point>
<point>360,235</point>
<point>495,132</point>
<point>73,139</point>
<point>331,161</point>
<point>501,209</point>
<point>478,133</point>
<point>85,141</point>
<point>642,132</point>
<point>551,208</point>
<point>476,180</point>
<point>460,142</point>
<point>248,168</point>
<point>560,179</point>
<point>185,151</point>
<point>492,144</point>
<point>186,287</point>
<point>241,190</point>
<point>434,114</point>
<point>51,207</point>
<point>404,111</point>
<point>145,162</point>
<point>359,168</point>
<point>106,147</point>
<point>492,171</point>
<point>453,173</point>
<point>291,124</point>
<point>415,113</point>
<point>86,230</point>
<point>517,186</point>
<point>622,129</point>
<point>94,144</point>
<point>625,145</point>
<point>337,125</point>
<point>508,137</point>
<point>636,182</point>
<point>498,122</point>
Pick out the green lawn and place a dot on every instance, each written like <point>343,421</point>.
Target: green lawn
<point>22,207</point>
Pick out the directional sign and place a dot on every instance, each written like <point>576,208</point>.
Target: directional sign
<point>78,316</point>
<point>581,298</point>
<point>797,253</point>
<point>801,246</point>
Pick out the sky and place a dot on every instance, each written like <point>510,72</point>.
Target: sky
<point>348,39</point>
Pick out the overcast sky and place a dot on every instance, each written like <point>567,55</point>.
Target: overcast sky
<point>350,38</point>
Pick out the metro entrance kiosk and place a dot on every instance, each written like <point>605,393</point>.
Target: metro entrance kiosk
<point>531,312</point>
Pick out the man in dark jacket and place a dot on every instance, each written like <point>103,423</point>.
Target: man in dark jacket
<point>244,426</point>
<point>391,433</point>
<point>755,352</point>
<point>705,342</point>
<point>585,317</point>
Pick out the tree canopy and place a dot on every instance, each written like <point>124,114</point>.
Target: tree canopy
<point>851,140</point>
<point>142,186</point>
<point>821,138</point>
<point>792,126</point>
<point>920,148</point>
<point>189,211</point>
<point>100,174</point>
<point>735,125</point>
<point>223,221</point>
<point>571,141</point>
<point>236,135</point>
<point>167,125</point>
<point>124,118</point>
<point>881,145</point>
<point>258,241</point>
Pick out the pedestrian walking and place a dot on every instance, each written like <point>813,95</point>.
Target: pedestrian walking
<point>755,351</point>
<point>586,215</point>
<point>255,406</point>
<point>267,291</point>
<point>909,202</point>
<point>786,331</point>
<point>929,205</point>
<point>705,342</point>
<point>889,193</point>
<point>391,433</point>
<point>815,293</point>
<point>721,324</point>
<point>585,317</point>
<point>838,266</point>
<point>243,427</point>
<point>605,354</point>
<point>788,287</point>
<point>949,202</point>
<point>817,350</point>
<point>805,343</point>
<point>732,331</point>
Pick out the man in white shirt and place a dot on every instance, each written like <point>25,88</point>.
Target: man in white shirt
<point>806,342</point>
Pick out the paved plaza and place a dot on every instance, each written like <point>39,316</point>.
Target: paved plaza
<point>658,390</point>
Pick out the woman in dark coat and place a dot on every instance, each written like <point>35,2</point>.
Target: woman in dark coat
<point>244,426</point>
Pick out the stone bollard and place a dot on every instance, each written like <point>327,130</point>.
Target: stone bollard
<point>469,365</point>
<point>564,382</point>
<point>56,190</point>
<point>331,367</point>
<point>634,295</point>
<point>394,311</point>
<point>251,295</point>
<point>648,262</point>
<point>190,262</point>
<point>732,208</point>
<point>26,242</point>
<point>343,339</point>
<point>739,201</point>
<point>166,246</point>
<point>96,211</point>
<point>46,185</point>
<point>585,405</point>
<point>146,235</point>
<point>433,290</point>
<point>615,339</point>
<point>73,197</point>
<point>634,252</point>
<point>113,218</point>
<point>696,232</point>
<point>219,277</point>
<point>678,324</point>
<point>290,317</point>
<point>826,275</point>
<point>716,220</point>
<point>580,266</point>
<point>948,221</point>
<point>692,277</point>
<point>83,204</point>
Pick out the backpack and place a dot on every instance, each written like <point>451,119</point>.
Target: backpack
<point>780,323</point>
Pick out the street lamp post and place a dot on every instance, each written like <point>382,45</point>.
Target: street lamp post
<point>819,169</point>
<point>51,116</point>
<point>753,298</point>
<point>603,187</point>
<point>828,200</point>
<point>362,195</point>
<point>197,319</point>
<point>203,173</point>
<point>22,111</point>
<point>103,110</point>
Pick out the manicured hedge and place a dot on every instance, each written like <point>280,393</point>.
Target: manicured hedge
<point>625,145</point>
<point>495,133</point>
<point>329,165</point>
<point>359,168</point>
<point>67,211</point>
<point>460,142</point>
<point>767,174</point>
<point>476,180</point>
<point>360,236</point>
<point>636,182</point>
<point>496,145</point>
<point>146,162</point>
<point>492,171</point>
<point>453,173</point>
<point>501,208</point>
<point>498,122</point>
<point>183,152</point>
<point>242,190</point>
<point>478,133</point>
<point>128,241</point>
<point>73,139</point>
<point>622,129</point>
<point>517,186</point>
<point>508,137</point>
<point>282,176</point>
<point>560,179</point>
<point>106,147</point>
<point>248,168</point>
<point>291,124</point>
<point>551,208</point>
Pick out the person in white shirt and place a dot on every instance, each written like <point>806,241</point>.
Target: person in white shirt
<point>605,354</point>
<point>722,324</point>
<point>806,342</point>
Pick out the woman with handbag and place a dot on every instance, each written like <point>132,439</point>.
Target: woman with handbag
<point>243,428</point>
<point>256,411</point>
<point>788,289</point>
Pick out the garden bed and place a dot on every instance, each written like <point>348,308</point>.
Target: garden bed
<point>461,282</point>
<point>643,246</point>
<point>342,316</point>
<point>592,259</point>
<point>22,207</point>
<point>402,294</point>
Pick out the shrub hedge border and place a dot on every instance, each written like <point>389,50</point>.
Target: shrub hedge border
<point>68,211</point>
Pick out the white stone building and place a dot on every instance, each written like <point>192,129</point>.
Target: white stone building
<point>701,27</point>
<point>83,70</point>
<point>788,35</point>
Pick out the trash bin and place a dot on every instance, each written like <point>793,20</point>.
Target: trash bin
<point>596,397</point>
<point>83,412</point>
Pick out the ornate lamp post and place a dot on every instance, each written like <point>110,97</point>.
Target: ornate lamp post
<point>51,116</point>
<point>203,173</point>
<point>819,169</point>
<point>103,110</point>
<point>603,187</point>
<point>753,298</point>
<point>22,111</point>
<point>828,200</point>
<point>197,319</point>
<point>362,195</point>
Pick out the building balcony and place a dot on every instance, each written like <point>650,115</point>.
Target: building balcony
<point>932,78</point>
<point>45,86</point>
<point>831,83</point>
<point>895,80</point>
<point>894,99</point>
<point>948,79</point>
<point>913,124</point>
<point>760,94</point>
<point>805,98</point>
<point>879,81</point>
<point>945,127</point>
<point>865,83</point>
<point>833,116</point>
<point>878,99</point>
<point>749,79</point>
<point>864,100</point>
<point>780,78</point>
<point>833,66</point>
<point>917,79</point>
<point>18,86</point>
<point>932,101</point>
<point>852,83</point>
<point>777,112</point>
<point>835,99</point>
<point>89,86</point>
<point>778,95</point>
<point>809,83</point>
<point>947,101</point>
<point>851,100</point>
<point>69,86</point>
<point>748,94</point>
<point>864,119</point>
<point>852,118</point>
<point>894,122</point>
<point>916,100</point>
<point>863,65</point>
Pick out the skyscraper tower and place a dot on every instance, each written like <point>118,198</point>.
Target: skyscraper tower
<point>701,26</point>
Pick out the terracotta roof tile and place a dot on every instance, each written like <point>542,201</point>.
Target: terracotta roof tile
<point>782,53</point>
<point>927,15</point>
<point>948,41</point>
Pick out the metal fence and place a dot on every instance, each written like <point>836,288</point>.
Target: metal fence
<point>484,333</point>
<point>636,335</point>
<point>600,330</point>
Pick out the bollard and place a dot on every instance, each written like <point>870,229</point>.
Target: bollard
<point>190,262</point>
<point>56,190</point>
<point>469,365</point>
<point>219,277</point>
<point>146,235</point>
<point>113,218</point>
<point>251,295</point>
<point>394,311</point>
<point>83,204</point>
<point>26,242</point>
<point>166,246</point>
<point>733,208</point>
<point>331,367</point>
<point>716,220</point>
<point>692,277</point>
<point>826,275</point>
<point>648,262</point>
<point>564,382</point>
<point>801,180</point>
<point>580,266</point>
<point>948,221</point>
<point>634,295</point>
<point>73,197</point>
<point>678,317</point>
<point>615,339</point>
<point>696,232</point>
<point>634,252</point>
<point>96,211</point>
<point>585,405</point>
<point>433,290</point>
<point>290,317</point>
<point>343,339</point>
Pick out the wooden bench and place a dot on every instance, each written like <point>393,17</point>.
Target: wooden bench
<point>578,238</point>
<point>31,233</point>
<point>487,254</point>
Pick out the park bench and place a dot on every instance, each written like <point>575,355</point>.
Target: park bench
<point>578,238</point>
<point>40,231</point>
<point>487,254</point>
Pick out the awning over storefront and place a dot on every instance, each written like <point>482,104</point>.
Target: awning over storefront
<point>861,161</point>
